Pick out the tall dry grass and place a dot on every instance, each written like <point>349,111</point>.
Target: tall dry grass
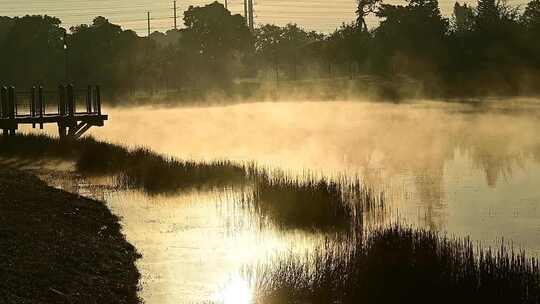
<point>400,265</point>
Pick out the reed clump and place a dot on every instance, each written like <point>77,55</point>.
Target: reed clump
<point>400,265</point>
<point>308,203</point>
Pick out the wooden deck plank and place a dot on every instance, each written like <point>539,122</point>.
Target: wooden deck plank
<point>93,119</point>
<point>53,118</point>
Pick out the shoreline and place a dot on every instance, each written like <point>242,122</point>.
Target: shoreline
<point>58,247</point>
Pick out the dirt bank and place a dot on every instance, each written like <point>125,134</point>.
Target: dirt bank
<point>57,247</point>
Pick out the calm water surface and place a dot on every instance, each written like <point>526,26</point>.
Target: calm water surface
<point>463,168</point>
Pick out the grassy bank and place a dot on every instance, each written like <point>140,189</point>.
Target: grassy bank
<point>401,265</point>
<point>137,168</point>
<point>56,247</point>
<point>305,203</point>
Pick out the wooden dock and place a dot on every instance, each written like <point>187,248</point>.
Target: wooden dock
<point>73,111</point>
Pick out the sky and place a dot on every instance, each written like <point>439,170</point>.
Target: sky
<point>319,15</point>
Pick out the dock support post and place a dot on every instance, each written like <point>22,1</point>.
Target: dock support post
<point>61,100</point>
<point>33,105</point>
<point>62,130</point>
<point>4,106</point>
<point>89,100</point>
<point>71,101</point>
<point>41,107</point>
<point>94,99</point>
<point>72,124</point>
<point>98,100</point>
<point>4,102</point>
<point>11,107</point>
<point>11,102</point>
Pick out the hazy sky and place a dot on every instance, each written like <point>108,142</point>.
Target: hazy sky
<point>321,15</point>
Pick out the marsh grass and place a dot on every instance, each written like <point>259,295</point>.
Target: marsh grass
<point>311,203</point>
<point>137,168</point>
<point>292,203</point>
<point>400,265</point>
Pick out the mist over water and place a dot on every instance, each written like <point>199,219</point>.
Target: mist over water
<point>469,169</point>
<point>253,160</point>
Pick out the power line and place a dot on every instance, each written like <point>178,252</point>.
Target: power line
<point>320,15</point>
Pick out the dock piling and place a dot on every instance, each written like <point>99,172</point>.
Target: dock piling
<point>33,101</point>
<point>12,109</point>
<point>97,100</point>
<point>11,102</point>
<point>89,99</point>
<point>41,107</point>
<point>33,104</point>
<point>4,103</point>
<point>71,100</point>
<point>4,106</point>
<point>61,100</point>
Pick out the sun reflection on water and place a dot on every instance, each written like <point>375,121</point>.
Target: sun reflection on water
<point>236,291</point>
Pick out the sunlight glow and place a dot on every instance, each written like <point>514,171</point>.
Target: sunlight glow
<point>237,291</point>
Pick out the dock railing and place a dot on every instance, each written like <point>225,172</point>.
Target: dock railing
<point>73,110</point>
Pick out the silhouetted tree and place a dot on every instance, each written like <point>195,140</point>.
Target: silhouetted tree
<point>32,50</point>
<point>498,45</point>
<point>349,44</point>
<point>104,53</point>
<point>364,8</point>
<point>490,48</point>
<point>6,23</point>
<point>531,23</point>
<point>411,40</point>
<point>531,16</point>
<point>289,45</point>
<point>219,39</point>
<point>463,19</point>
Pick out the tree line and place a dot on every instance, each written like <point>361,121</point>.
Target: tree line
<point>489,48</point>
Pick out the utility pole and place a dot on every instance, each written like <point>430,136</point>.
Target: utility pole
<point>175,17</point>
<point>226,4</point>
<point>246,12</point>
<point>251,16</point>
<point>148,15</point>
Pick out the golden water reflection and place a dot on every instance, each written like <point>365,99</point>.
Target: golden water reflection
<point>468,169</point>
<point>193,250</point>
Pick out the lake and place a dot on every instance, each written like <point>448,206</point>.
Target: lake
<point>462,168</point>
